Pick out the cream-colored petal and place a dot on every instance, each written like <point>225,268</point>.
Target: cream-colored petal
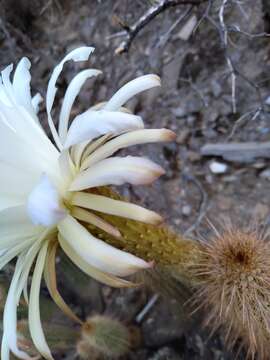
<point>86,216</point>
<point>92,124</point>
<point>14,221</point>
<point>36,101</point>
<point>24,144</point>
<point>98,275</point>
<point>28,262</point>
<point>79,54</point>
<point>51,282</point>
<point>10,314</point>
<point>8,88</point>
<point>21,86</point>
<point>35,326</point>
<point>97,253</point>
<point>115,207</point>
<point>117,171</point>
<point>14,251</point>
<point>5,352</point>
<point>72,91</point>
<point>131,89</point>
<point>131,138</point>
<point>67,169</point>
<point>93,145</point>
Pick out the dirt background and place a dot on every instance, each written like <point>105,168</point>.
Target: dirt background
<point>195,101</point>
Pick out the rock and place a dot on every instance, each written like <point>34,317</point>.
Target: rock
<point>179,112</point>
<point>182,136</point>
<point>216,88</point>
<point>223,202</point>
<point>267,101</point>
<point>187,29</point>
<point>218,167</point>
<point>186,210</point>
<point>166,353</point>
<point>265,174</point>
<point>193,156</point>
<point>168,322</point>
<point>261,211</point>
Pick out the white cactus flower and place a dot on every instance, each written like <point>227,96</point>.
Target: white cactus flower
<point>43,197</point>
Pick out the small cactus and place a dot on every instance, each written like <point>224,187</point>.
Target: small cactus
<point>235,287</point>
<point>105,336</point>
<point>86,352</point>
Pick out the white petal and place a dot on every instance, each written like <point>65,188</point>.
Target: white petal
<point>10,314</point>
<point>24,143</point>
<point>35,326</point>
<point>7,256</point>
<point>36,100</point>
<point>117,171</point>
<point>72,91</point>
<point>28,262</point>
<point>115,207</point>
<point>3,95</point>
<point>97,253</point>
<point>15,221</point>
<point>5,352</point>
<point>67,168</point>
<point>8,88</point>
<point>92,124</point>
<point>86,216</point>
<point>131,138</point>
<point>21,86</point>
<point>43,204</point>
<point>98,275</point>
<point>16,152</point>
<point>79,54</point>
<point>131,89</point>
<point>92,147</point>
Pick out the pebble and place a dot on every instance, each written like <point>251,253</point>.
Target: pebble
<point>265,174</point>
<point>166,353</point>
<point>261,211</point>
<point>218,167</point>
<point>179,112</point>
<point>267,101</point>
<point>186,210</point>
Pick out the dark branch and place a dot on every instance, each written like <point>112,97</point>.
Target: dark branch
<point>130,32</point>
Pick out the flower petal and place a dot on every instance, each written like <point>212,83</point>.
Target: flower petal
<point>10,314</point>
<point>5,348</point>
<point>21,86</point>
<point>50,278</point>
<point>98,275</point>
<point>131,89</point>
<point>97,253</point>
<point>131,138</point>
<point>15,251</point>
<point>92,124</point>
<point>23,143</point>
<point>115,207</point>
<point>86,216</point>
<point>72,91</point>
<point>36,100</point>
<point>14,221</point>
<point>117,171</point>
<point>79,54</point>
<point>35,326</point>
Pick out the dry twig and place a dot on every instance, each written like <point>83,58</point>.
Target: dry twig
<point>130,32</point>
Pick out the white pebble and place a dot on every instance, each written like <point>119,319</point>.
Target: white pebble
<point>218,167</point>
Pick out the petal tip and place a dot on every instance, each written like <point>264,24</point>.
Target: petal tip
<point>168,135</point>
